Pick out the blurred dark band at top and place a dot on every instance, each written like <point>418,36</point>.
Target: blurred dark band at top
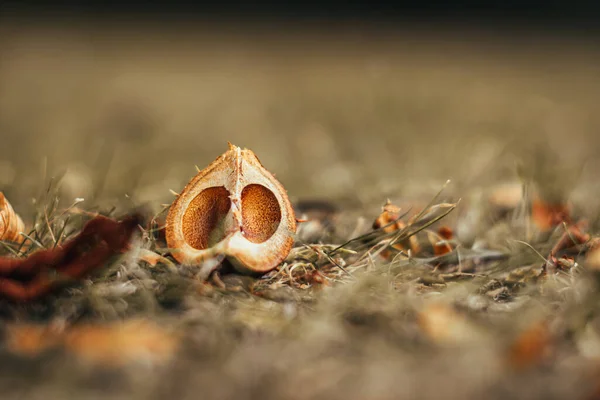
<point>494,15</point>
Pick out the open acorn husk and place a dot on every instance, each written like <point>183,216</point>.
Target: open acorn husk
<point>236,208</point>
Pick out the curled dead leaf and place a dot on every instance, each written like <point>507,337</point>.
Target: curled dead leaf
<point>233,207</point>
<point>11,225</point>
<point>26,279</point>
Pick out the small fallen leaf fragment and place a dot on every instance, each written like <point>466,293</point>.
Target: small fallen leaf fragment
<point>441,247</point>
<point>588,344</point>
<point>530,347</point>
<point>233,207</point>
<point>545,214</point>
<point>592,259</point>
<point>317,277</point>
<point>506,196</point>
<point>549,215</point>
<point>116,344</point>
<point>446,232</point>
<point>389,222</point>
<point>595,395</point>
<point>113,344</point>
<point>31,340</point>
<point>444,325</point>
<point>588,341</point>
<point>11,225</point>
<point>573,236</point>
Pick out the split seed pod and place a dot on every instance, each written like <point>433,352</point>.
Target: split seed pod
<point>10,223</point>
<point>236,208</point>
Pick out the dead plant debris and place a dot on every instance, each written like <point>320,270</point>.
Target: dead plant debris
<point>404,297</point>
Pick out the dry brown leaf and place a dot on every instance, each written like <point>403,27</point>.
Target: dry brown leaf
<point>114,344</point>
<point>236,208</point>
<point>11,225</point>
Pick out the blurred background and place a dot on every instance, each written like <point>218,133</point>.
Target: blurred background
<point>348,102</point>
